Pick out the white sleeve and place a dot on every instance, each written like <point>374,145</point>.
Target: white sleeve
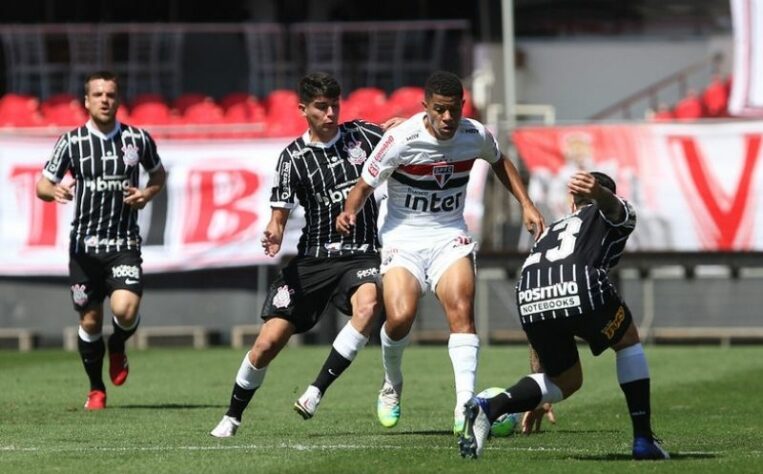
<point>490,151</point>
<point>383,161</point>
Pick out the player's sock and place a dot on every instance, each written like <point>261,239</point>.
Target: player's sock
<point>633,375</point>
<point>527,394</point>
<point>248,380</point>
<point>91,350</point>
<point>121,335</point>
<point>392,356</point>
<point>463,349</point>
<point>346,346</point>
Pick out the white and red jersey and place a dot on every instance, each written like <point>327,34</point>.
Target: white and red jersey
<point>427,176</point>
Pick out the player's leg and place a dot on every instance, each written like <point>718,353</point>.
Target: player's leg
<point>87,292</point>
<point>273,336</point>
<point>358,295</point>
<point>633,376</point>
<point>124,281</point>
<point>401,292</point>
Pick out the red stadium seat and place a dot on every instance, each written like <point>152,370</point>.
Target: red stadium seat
<point>662,115</point>
<point>151,113</point>
<point>148,98</point>
<point>283,116</point>
<point>689,108</point>
<point>469,110</point>
<point>18,110</point>
<point>405,101</point>
<point>123,114</point>
<point>188,99</point>
<point>715,98</point>
<point>206,112</point>
<point>367,103</point>
<point>242,107</point>
<point>63,110</point>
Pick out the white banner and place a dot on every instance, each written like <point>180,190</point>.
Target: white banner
<point>696,187</point>
<point>747,85</point>
<point>212,213</point>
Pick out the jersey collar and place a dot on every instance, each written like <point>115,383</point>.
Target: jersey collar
<point>328,144</point>
<point>108,136</point>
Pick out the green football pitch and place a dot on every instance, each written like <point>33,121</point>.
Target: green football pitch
<point>707,407</point>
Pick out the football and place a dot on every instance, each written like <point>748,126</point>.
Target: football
<point>505,424</point>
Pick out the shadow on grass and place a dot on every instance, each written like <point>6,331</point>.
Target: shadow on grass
<point>628,457</point>
<point>165,406</point>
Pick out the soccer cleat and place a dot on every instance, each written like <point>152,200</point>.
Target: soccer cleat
<point>472,440</point>
<point>226,428</point>
<point>96,400</point>
<point>646,448</point>
<point>118,368</point>
<point>307,404</point>
<point>458,420</point>
<point>388,404</point>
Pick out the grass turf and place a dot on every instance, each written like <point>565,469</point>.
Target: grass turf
<point>706,405</point>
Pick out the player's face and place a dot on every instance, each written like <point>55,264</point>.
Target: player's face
<point>443,115</point>
<point>322,115</point>
<point>102,101</point>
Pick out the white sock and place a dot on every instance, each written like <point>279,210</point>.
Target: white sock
<point>464,350</point>
<point>249,377</point>
<point>349,341</point>
<point>631,364</point>
<point>88,337</point>
<point>392,356</point>
<point>550,392</point>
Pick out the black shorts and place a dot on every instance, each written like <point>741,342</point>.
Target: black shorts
<point>307,285</point>
<point>94,276</point>
<point>554,339</point>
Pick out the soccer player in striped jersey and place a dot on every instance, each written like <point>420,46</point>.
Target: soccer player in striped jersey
<point>425,241</point>
<point>104,158</point>
<point>318,169</point>
<point>564,291</point>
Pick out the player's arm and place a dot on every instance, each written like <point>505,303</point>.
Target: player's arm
<point>138,198</point>
<point>273,234</point>
<point>354,203</point>
<point>507,173</point>
<point>584,184</point>
<point>49,191</point>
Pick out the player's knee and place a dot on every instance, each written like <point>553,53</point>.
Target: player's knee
<point>364,313</point>
<point>460,315</point>
<point>90,325</point>
<point>264,350</point>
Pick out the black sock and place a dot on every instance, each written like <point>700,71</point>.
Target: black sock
<point>92,358</point>
<point>637,397</point>
<point>333,367</point>
<point>523,396</point>
<point>120,336</point>
<point>239,399</point>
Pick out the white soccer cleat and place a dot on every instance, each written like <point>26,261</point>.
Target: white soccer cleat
<point>307,404</point>
<point>226,428</point>
<point>458,420</point>
<point>388,404</point>
<point>476,429</point>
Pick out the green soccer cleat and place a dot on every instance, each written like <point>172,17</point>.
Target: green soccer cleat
<point>388,404</point>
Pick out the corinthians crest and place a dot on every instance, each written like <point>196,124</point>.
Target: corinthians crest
<point>356,154</point>
<point>130,155</point>
<point>282,299</point>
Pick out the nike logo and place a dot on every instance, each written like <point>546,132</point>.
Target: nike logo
<point>332,373</point>
<point>131,282</point>
<point>239,399</point>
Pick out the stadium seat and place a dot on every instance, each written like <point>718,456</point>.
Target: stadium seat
<point>206,112</point>
<point>150,113</point>
<point>405,101</point>
<point>17,110</point>
<point>469,110</point>
<point>663,114</point>
<point>148,98</point>
<point>242,107</point>
<point>689,108</point>
<point>283,116</point>
<point>715,98</point>
<point>183,101</point>
<point>367,103</point>
<point>64,110</point>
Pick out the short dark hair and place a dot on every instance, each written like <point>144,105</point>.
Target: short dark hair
<point>105,75</point>
<point>317,84</point>
<point>443,83</point>
<point>604,181</point>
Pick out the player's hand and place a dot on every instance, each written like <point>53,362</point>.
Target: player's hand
<point>345,222</point>
<point>583,184</point>
<point>63,192</point>
<point>531,420</point>
<point>392,123</point>
<point>271,243</point>
<point>533,220</point>
<point>136,198</point>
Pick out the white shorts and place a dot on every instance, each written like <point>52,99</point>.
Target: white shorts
<point>426,257</point>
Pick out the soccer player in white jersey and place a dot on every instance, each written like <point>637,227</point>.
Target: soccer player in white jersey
<point>425,242</point>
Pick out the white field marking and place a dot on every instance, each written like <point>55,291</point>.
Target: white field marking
<point>314,447</point>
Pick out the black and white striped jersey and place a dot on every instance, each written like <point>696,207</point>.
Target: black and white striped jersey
<point>320,176</point>
<point>103,167</point>
<point>566,272</point>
